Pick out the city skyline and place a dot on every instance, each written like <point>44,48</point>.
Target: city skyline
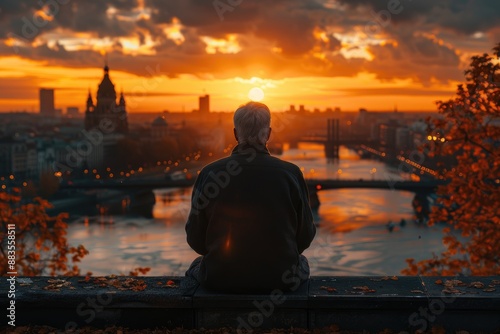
<point>322,54</point>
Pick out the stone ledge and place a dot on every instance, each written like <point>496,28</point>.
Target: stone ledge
<point>353,303</point>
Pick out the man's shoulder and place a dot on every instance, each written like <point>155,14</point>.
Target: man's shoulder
<point>228,164</point>
<point>218,164</point>
<point>286,165</point>
<point>236,162</point>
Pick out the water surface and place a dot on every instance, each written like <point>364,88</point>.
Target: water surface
<point>352,237</point>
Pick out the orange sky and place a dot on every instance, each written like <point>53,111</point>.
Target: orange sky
<point>164,55</point>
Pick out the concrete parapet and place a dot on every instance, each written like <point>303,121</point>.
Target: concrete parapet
<point>352,303</point>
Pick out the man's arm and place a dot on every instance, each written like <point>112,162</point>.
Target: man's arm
<point>306,229</point>
<point>196,226</point>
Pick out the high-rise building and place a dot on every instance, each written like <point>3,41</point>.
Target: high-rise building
<point>47,101</point>
<point>403,138</point>
<point>107,115</point>
<point>204,104</point>
<point>388,134</point>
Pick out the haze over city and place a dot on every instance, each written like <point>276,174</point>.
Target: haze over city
<point>322,54</point>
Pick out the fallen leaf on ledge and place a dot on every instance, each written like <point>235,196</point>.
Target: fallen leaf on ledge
<point>57,284</point>
<point>451,291</point>
<point>328,289</point>
<point>363,288</point>
<point>131,284</point>
<point>454,282</point>
<point>477,285</point>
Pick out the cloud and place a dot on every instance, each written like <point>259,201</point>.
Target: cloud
<point>464,16</point>
<point>419,57</point>
<point>28,19</point>
<point>422,40</point>
<point>292,33</point>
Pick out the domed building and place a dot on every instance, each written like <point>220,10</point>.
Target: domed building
<point>107,116</point>
<point>159,128</point>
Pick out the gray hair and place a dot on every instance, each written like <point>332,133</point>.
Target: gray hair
<point>252,122</point>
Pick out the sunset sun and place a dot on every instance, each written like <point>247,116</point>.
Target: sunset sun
<point>256,94</point>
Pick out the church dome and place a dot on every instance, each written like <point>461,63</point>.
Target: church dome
<point>160,121</point>
<point>106,87</point>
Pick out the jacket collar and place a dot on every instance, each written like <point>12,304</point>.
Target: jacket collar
<point>245,149</point>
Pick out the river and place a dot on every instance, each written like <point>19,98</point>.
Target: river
<point>352,237</point>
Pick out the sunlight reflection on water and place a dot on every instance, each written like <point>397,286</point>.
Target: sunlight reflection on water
<point>352,237</point>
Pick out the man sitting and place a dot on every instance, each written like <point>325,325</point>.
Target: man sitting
<point>250,217</point>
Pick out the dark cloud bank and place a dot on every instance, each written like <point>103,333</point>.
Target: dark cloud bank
<point>410,25</point>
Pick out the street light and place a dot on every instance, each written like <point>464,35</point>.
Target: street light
<point>372,172</point>
<point>339,172</point>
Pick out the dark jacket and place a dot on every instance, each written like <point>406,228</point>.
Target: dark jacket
<point>250,219</point>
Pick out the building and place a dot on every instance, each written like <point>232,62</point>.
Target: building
<point>159,128</point>
<point>31,160</point>
<point>204,104</point>
<point>388,134</point>
<point>47,102</point>
<point>13,157</point>
<point>106,115</point>
<point>403,139</point>
<point>46,157</point>
<point>72,111</point>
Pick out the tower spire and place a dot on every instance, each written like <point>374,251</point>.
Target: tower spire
<point>122,98</point>
<point>90,103</point>
<point>106,67</point>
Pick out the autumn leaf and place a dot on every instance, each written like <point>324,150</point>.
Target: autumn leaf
<point>42,247</point>
<point>467,205</point>
<point>329,289</point>
<point>451,291</point>
<point>363,289</point>
<point>477,285</point>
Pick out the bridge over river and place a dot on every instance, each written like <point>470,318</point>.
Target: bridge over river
<point>143,188</point>
<point>313,184</point>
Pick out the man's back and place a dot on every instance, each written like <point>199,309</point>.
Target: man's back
<point>250,219</point>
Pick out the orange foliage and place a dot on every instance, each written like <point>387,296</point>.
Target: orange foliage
<point>139,271</point>
<point>41,245</point>
<point>469,204</point>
